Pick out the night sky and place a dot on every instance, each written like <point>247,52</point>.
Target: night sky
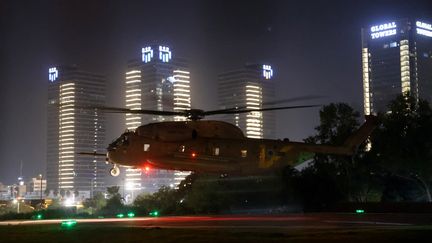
<point>313,46</point>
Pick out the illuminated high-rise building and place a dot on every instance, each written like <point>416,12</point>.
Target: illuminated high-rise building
<point>396,58</point>
<point>158,80</point>
<point>249,87</point>
<point>73,129</point>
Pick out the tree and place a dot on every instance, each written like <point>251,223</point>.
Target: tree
<point>113,191</point>
<point>403,144</point>
<point>114,203</point>
<point>165,200</point>
<point>206,195</point>
<point>97,202</point>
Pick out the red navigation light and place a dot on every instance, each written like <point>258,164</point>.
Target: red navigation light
<point>147,168</point>
<point>193,154</point>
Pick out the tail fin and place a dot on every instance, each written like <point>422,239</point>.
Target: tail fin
<point>361,134</point>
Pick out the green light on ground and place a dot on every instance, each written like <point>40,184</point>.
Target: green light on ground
<point>68,223</point>
<point>39,216</point>
<point>359,211</point>
<point>154,213</point>
<point>120,215</point>
<point>131,215</point>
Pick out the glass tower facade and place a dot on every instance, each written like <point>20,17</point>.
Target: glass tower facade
<point>156,81</point>
<point>396,58</point>
<point>73,129</point>
<point>249,87</point>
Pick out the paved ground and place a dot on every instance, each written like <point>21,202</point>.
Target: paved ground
<point>287,228</point>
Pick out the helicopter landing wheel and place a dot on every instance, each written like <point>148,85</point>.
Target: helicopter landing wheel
<point>115,171</point>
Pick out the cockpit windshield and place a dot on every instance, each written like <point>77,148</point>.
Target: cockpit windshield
<point>122,140</point>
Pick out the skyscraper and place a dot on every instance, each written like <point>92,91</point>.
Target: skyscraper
<point>156,81</point>
<point>396,58</point>
<point>248,87</point>
<point>72,129</point>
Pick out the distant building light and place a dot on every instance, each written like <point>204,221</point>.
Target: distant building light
<point>267,71</point>
<point>52,74</point>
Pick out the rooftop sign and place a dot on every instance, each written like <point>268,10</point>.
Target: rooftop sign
<point>383,30</point>
<point>424,28</point>
<point>148,53</point>
<point>52,74</point>
<point>267,72</point>
<point>164,53</point>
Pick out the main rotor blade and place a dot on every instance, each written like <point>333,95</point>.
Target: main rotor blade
<point>270,103</point>
<point>126,110</point>
<point>92,154</point>
<point>266,109</point>
<point>298,98</point>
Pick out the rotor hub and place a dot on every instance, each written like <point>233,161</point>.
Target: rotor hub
<point>195,114</point>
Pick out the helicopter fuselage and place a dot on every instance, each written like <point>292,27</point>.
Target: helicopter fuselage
<point>212,147</point>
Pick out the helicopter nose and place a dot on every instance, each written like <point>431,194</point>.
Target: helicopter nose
<point>108,158</point>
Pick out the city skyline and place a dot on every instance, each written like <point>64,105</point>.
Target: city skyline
<point>312,56</point>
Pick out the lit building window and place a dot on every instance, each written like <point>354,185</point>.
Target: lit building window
<point>254,120</point>
<point>405,66</point>
<point>181,92</point>
<point>366,89</point>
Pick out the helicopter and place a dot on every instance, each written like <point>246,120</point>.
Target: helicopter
<point>214,147</point>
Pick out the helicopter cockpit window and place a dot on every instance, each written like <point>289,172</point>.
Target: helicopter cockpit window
<point>146,147</point>
<point>243,153</point>
<point>216,151</point>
